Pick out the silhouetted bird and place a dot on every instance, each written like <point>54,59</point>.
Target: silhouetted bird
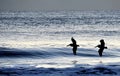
<point>101,47</point>
<point>74,45</point>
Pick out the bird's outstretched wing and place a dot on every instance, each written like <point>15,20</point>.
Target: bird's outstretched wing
<point>70,45</point>
<point>105,47</point>
<point>98,46</point>
<point>73,40</point>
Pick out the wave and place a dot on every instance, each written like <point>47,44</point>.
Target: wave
<point>12,52</point>
<point>98,70</point>
<point>52,52</point>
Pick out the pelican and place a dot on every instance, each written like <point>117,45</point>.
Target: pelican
<point>101,47</point>
<point>74,45</point>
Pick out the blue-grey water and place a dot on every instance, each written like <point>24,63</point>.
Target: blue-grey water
<point>41,37</point>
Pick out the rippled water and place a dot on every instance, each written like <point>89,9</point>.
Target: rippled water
<point>34,37</point>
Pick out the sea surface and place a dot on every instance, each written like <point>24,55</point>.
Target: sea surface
<point>40,39</point>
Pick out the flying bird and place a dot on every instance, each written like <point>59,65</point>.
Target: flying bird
<point>101,47</point>
<point>74,45</point>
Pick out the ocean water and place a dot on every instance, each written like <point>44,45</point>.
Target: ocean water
<point>39,39</point>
